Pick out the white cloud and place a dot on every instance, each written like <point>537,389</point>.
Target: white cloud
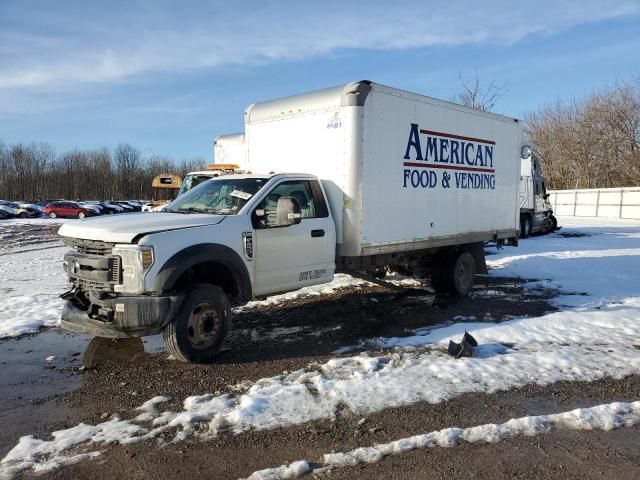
<point>89,47</point>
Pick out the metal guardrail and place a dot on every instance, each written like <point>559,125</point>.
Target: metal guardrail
<point>597,202</point>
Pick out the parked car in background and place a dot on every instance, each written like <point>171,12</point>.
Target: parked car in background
<point>32,209</point>
<point>125,205</point>
<point>106,208</point>
<point>44,203</point>
<point>6,213</point>
<point>68,210</point>
<point>114,207</point>
<point>15,209</point>
<point>137,206</point>
<point>96,209</point>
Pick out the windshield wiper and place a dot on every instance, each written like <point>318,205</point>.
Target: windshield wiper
<point>192,210</point>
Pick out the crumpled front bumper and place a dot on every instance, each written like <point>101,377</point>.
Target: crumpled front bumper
<point>122,317</point>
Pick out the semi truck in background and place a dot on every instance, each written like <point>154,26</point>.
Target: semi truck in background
<point>359,178</point>
<point>536,214</point>
<point>229,156</point>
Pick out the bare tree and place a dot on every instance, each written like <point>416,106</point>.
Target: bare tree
<point>476,96</point>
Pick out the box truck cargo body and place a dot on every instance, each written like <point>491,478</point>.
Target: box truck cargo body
<point>360,178</point>
<point>402,171</point>
<point>230,149</point>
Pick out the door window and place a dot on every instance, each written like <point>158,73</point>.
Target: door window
<point>300,190</point>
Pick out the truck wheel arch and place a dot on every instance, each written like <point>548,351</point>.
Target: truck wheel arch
<point>190,258</point>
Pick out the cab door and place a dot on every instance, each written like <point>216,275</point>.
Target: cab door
<point>290,257</point>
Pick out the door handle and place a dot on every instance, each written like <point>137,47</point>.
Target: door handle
<point>317,233</point>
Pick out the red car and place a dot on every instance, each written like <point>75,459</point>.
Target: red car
<point>67,209</point>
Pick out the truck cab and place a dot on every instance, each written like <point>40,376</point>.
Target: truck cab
<point>536,213</point>
<point>222,243</point>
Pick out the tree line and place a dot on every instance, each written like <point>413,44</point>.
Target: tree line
<point>36,172</point>
<point>592,142</point>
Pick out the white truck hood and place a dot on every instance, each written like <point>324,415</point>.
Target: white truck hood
<point>124,228</point>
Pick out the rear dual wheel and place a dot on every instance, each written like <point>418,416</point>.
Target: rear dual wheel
<point>198,332</point>
<point>455,273</point>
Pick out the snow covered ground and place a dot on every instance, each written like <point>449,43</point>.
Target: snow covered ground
<point>30,284</point>
<point>593,262</point>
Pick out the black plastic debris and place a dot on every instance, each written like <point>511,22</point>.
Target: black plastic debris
<point>464,348</point>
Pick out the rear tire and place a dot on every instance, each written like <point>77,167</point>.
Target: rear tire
<point>455,274</point>
<point>525,226</point>
<point>202,324</point>
<point>461,273</point>
<point>52,214</point>
<point>554,223</point>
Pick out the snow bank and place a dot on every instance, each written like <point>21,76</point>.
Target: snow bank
<point>341,280</point>
<point>602,417</point>
<point>30,284</point>
<point>42,456</point>
<point>293,470</point>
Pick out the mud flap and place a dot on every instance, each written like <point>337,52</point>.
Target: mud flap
<point>477,250</point>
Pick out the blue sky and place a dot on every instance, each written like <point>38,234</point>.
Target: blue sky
<point>170,76</point>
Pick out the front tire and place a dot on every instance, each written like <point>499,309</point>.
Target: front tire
<point>52,215</point>
<point>198,332</point>
<point>525,226</point>
<point>23,215</point>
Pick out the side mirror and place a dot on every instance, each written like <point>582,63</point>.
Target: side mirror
<point>288,212</point>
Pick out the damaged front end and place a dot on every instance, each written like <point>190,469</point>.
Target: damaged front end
<point>107,298</point>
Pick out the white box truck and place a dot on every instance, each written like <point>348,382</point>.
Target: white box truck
<point>388,180</point>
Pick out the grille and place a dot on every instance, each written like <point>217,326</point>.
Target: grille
<point>89,285</point>
<point>91,247</point>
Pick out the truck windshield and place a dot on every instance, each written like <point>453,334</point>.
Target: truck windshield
<point>223,196</point>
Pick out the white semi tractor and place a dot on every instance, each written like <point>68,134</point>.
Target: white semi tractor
<point>536,213</point>
<point>357,178</point>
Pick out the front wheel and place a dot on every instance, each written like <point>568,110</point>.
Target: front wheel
<point>198,332</point>
<point>23,215</point>
<point>52,215</point>
<point>525,226</point>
